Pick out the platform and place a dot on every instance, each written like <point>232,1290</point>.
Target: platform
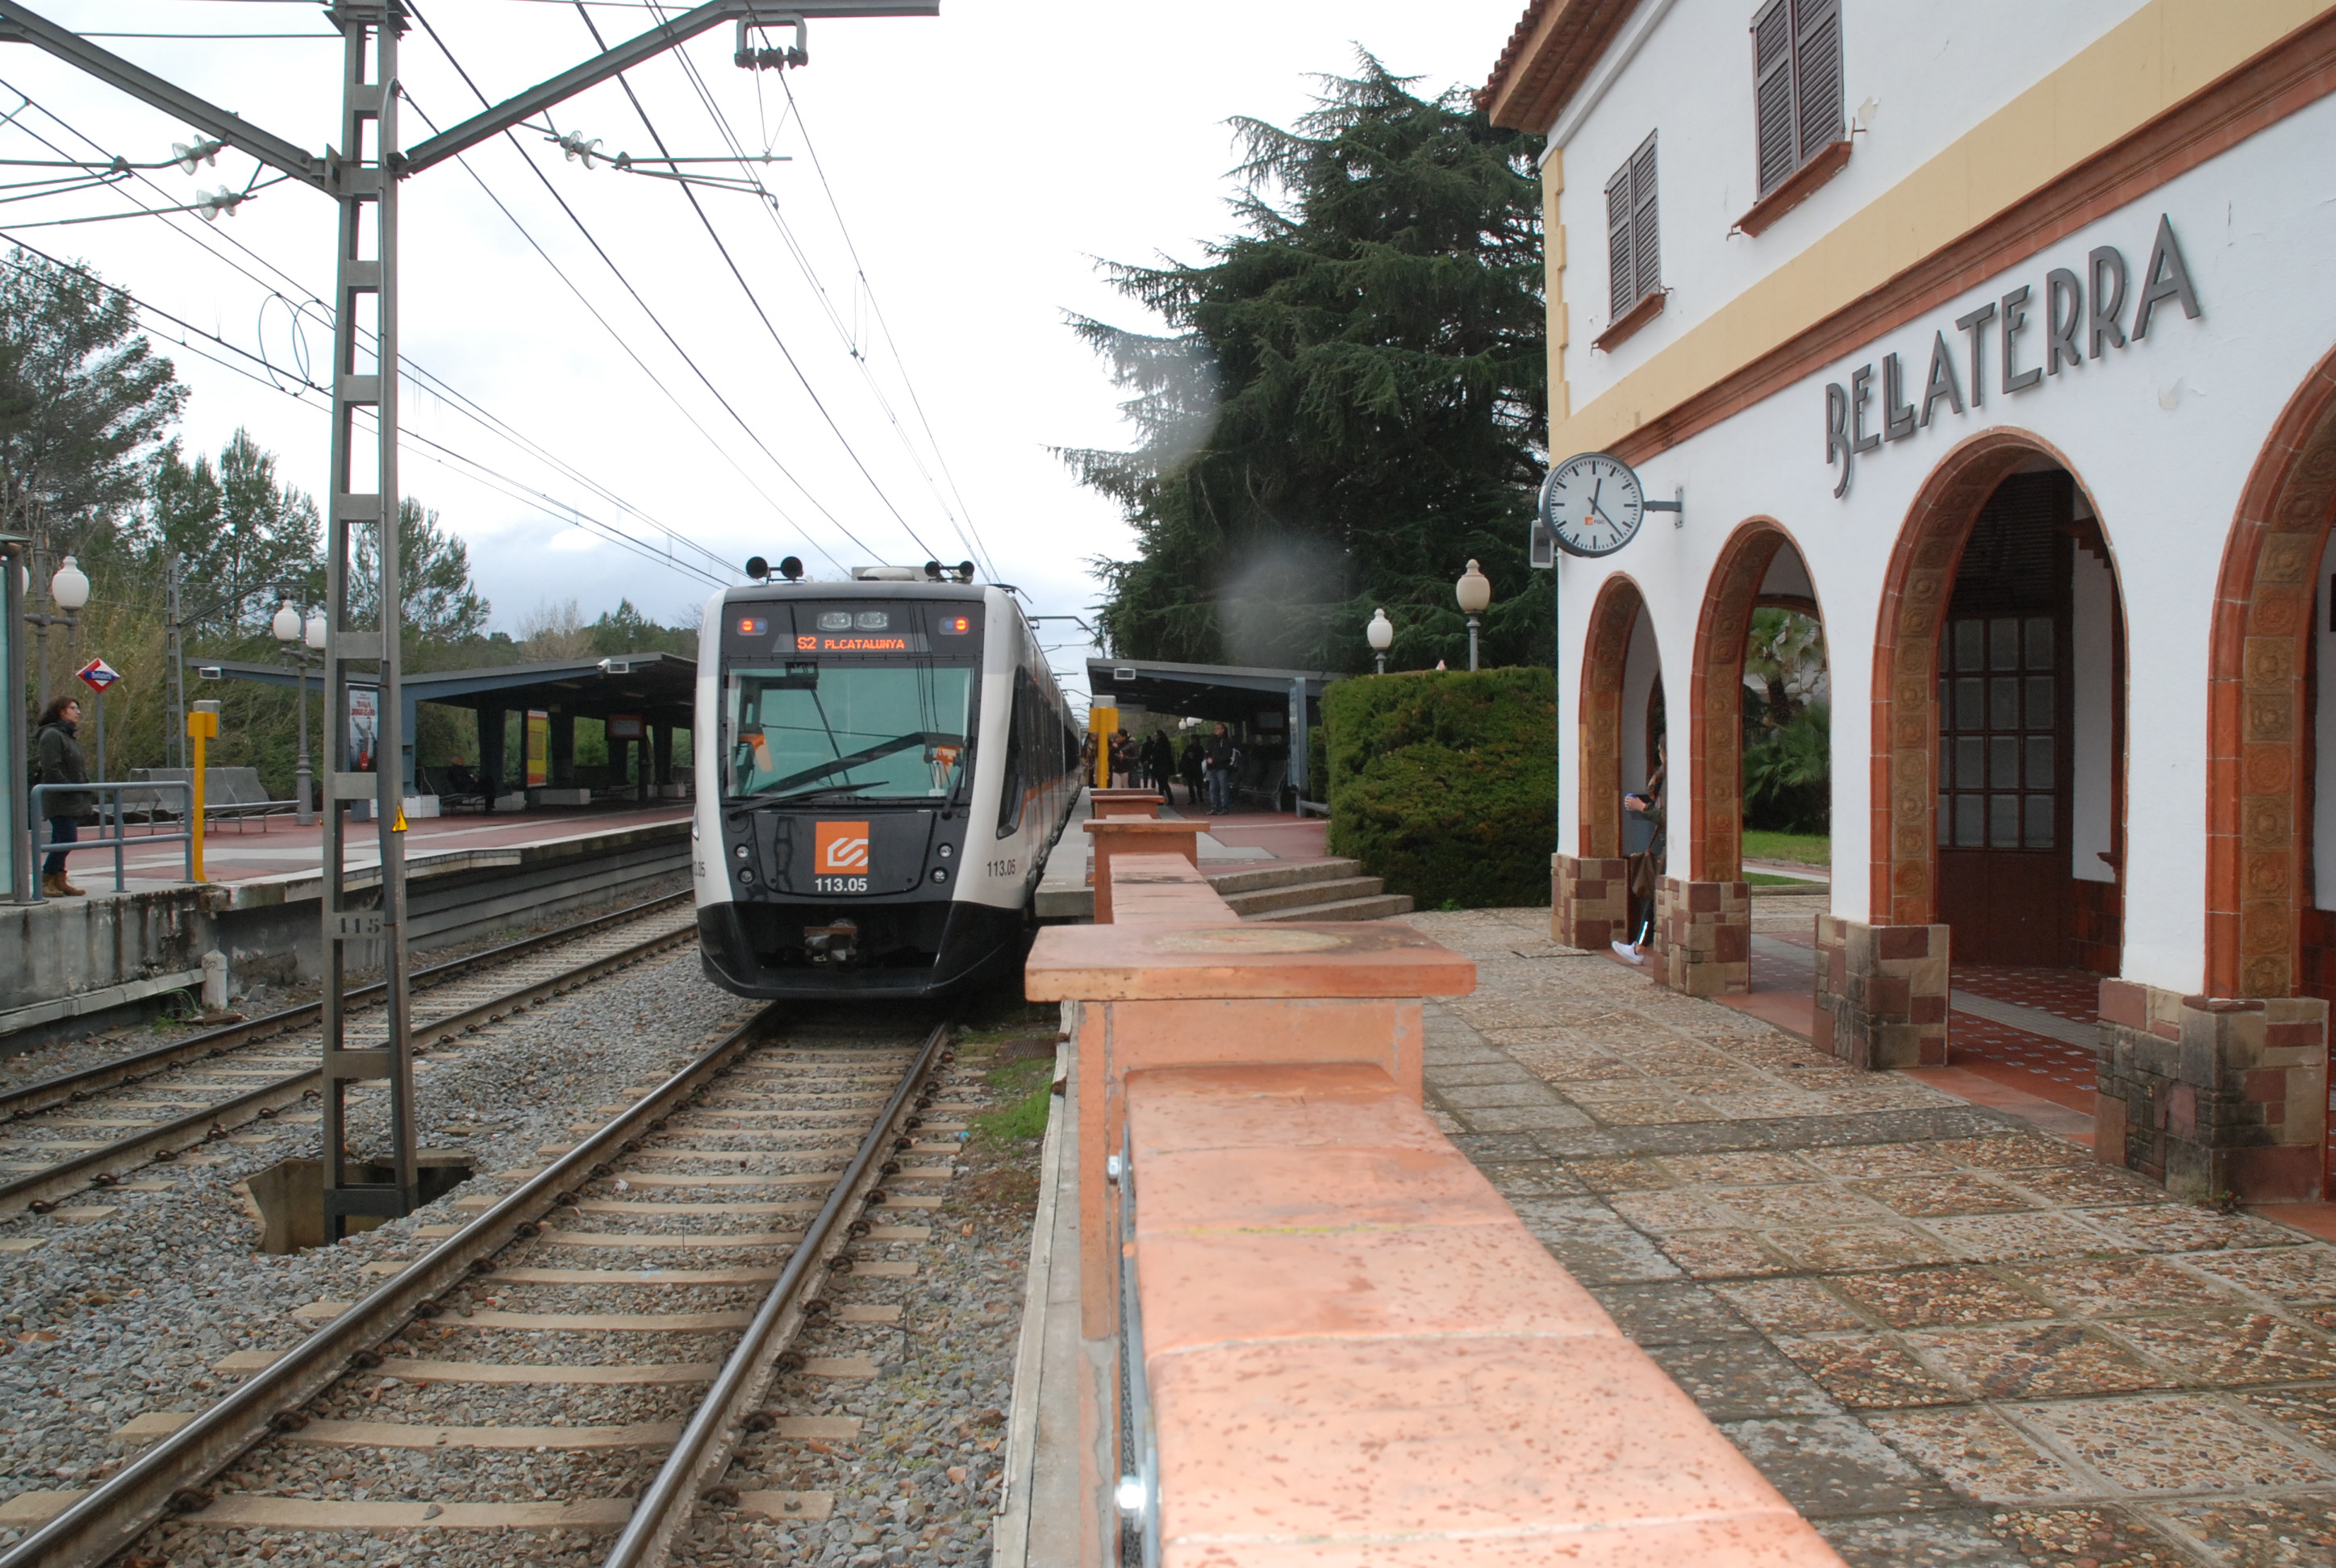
<point>1232,842</point>
<point>77,963</point>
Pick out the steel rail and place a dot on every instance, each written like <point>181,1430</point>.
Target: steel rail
<point>173,1473</point>
<point>201,1126</point>
<point>65,1087</point>
<point>703,1450</point>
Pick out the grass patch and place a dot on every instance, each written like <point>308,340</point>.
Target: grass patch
<point>1029,1083</point>
<point>1770,879</point>
<point>1799,849</point>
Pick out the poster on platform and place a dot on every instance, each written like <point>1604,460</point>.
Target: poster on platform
<point>365,727</point>
<point>538,748</point>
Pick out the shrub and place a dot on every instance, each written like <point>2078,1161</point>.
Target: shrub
<point>1444,783</point>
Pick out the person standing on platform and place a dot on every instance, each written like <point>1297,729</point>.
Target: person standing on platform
<point>1159,763</point>
<point>61,763</point>
<point>1192,770</point>
<point>1219,762</point>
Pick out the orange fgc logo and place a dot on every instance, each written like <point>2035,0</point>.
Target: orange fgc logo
<point>841,848</point>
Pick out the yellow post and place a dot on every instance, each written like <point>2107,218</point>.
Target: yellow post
<point>202,724</point>
<point>1103,723</point>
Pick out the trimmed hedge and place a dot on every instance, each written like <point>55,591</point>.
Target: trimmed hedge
<point>1444,782</point>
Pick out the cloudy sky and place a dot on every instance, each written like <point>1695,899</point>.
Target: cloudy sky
<point>893,407</point>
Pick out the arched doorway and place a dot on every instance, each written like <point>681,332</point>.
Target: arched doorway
<point>1760,570</point>
<point>1619,725</point>
<point>2266,935</point>
<point>1999,685</point>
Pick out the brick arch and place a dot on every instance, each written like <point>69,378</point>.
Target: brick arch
<point>1604,655</point>
<point>1715,721</point>
<point>1914,597</point>
<point>2258,731</point>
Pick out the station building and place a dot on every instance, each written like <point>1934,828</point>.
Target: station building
<point>2001,337</point>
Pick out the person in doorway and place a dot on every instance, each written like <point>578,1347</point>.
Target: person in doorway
<point>61,762</point>
<point>1645,865</point>
<point>1218,762</point>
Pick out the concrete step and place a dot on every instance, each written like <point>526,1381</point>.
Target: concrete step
<point>1370,909</point>
<point>1337,890</point>
<point>1281,874</point>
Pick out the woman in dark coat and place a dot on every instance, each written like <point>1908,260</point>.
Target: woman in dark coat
<point>61,763</point>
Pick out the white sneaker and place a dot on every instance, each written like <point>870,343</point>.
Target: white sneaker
<point>1627,953</point>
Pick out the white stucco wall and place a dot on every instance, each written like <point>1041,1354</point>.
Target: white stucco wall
<point>2162,435</point>
<point>1932,72</point>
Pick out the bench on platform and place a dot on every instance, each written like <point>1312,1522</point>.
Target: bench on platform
<point>229,795</point>
<point>1341,1344</point>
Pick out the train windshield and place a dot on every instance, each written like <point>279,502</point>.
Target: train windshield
<point>813,731</point>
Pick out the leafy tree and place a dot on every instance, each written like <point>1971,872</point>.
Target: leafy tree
<point>238,532</point>
<point>435,594</point>
<point>1348,400</point>
<point>1788,775</point>
<point>83,397</point>
<point>628,630</point>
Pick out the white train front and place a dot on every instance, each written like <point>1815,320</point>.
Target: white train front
<point>887,763</point>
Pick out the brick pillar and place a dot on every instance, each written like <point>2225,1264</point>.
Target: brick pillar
<point>1882,993</point>
<point>2214,1098</point>
<point>1703,936</point>
<point>1589,900</point>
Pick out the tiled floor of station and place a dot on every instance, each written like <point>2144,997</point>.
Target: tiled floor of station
<point>1947,1338</point>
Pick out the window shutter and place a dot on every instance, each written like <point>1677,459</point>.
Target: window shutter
<point>1645,252</point>
<point>1621,274</point>
<point>1816,76</point>
<point>1772,90</point>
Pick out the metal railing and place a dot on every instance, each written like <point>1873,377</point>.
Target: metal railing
<point>119,838</point>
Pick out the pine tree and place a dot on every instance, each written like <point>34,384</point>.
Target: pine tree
<point>1349,400</point>
<point>83,397</point>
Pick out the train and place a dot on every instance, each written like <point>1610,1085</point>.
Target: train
<point>887,763</point>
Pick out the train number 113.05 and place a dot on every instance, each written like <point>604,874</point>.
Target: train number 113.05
<point>1003,868</point>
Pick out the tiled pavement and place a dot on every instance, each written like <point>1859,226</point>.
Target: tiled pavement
<point>1949,1339</point>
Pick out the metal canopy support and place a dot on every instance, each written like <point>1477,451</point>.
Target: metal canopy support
<point>20,25</point>
<point>364,500</point>
<point>632,52</point>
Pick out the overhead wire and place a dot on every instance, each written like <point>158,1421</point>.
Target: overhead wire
<point>848,334</point>
<point>753,299</point>
<point>461,402</point>
<point>655,320</point>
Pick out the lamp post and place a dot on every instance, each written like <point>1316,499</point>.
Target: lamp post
<point>1475,592</point>
<point>1381,633</point>
<point>292,631</point>
<point>69,590</point>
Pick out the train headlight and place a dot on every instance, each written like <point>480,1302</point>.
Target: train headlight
<point>740,852</point>
<point>941,873</point>
<point>947,850</point>
<point>746,875</point>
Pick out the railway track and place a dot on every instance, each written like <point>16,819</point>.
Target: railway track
<point>154,1104</point>
<point>635,1297</point>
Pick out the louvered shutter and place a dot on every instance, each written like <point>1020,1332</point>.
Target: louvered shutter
<point>1816,76</point>
<point>1646,253</point>
<point>1621,275</point>
<point>1772,92</point>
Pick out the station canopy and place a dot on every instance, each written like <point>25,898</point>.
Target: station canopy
<point>1235,693</point>
<point>659,687</point>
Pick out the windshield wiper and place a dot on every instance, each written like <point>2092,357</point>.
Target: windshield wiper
<point>824,791</point>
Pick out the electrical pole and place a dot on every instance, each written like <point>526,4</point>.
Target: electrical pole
<point>363,496</point>
<point>362,177</point>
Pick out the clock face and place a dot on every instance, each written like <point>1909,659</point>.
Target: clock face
<point>1593,504</point>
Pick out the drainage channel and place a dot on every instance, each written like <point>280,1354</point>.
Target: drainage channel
<point>633,1299</point>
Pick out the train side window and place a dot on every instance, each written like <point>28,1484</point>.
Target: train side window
<point>1019,740</point>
